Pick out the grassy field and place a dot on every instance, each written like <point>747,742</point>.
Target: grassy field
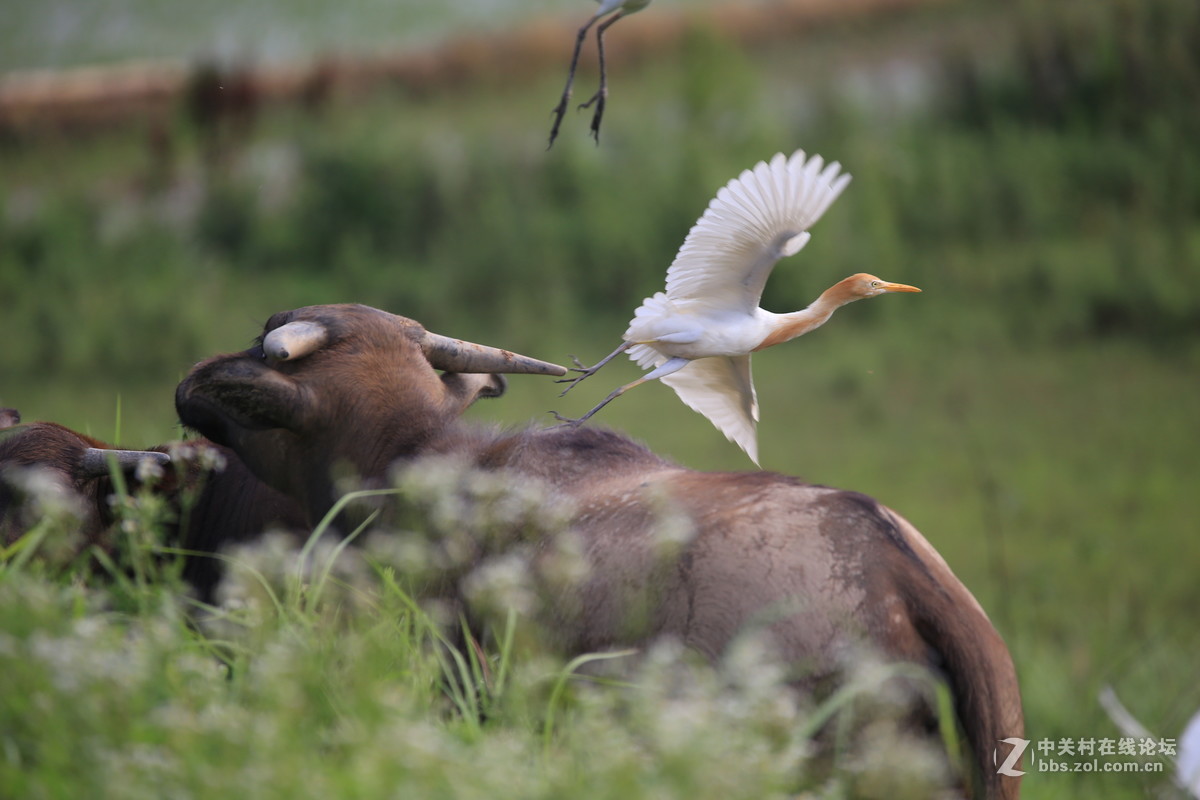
<point>1032,412</point>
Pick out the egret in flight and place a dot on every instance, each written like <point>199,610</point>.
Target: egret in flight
<point>697,337</point>
<point>623,8</point>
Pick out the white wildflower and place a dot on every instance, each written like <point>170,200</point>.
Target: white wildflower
<point>501,584</point>
<point>148,471</point>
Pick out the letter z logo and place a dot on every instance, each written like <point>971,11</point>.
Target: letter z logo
<point>1014,757</point>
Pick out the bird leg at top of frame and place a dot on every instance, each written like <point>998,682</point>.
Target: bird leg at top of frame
<point>601,94</point>
<point>560,110</point>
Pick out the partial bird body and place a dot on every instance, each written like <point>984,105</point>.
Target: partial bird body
<point>694,330</point>
<point>697,336</point>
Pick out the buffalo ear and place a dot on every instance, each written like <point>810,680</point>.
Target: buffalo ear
<point>493,386</point>
<point>464,388</point>
<point>226,394</point>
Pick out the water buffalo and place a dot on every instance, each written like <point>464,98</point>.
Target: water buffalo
<point>214,500</point>
<point>347,389</point>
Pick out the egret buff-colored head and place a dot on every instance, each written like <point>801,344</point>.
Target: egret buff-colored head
<point>864,284</point>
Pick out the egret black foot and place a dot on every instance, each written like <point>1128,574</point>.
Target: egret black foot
<point>574,423</point>
<point>559,112</point>
<point>598,99</point>
<point>587,372</point>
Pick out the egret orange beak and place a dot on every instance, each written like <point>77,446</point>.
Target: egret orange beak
<point>899,287</point>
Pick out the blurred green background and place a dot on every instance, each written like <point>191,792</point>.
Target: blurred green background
<point>1032,166</point>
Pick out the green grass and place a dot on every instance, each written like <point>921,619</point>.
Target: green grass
<point>322,674</point>
<point>1057,483</point>
<point>1031,412</point>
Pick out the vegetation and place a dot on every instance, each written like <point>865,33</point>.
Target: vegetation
<point>1032,411</point>
<point>323,674</point>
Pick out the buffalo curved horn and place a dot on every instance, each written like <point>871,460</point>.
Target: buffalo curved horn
<point>96,460</point>
<point>294,340</point>
<point>455,355</point>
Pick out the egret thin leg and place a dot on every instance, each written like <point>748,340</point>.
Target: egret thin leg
<point>601,94</point>
<point>587,372</point>
<point>672,365</point>
<point>620,390</point>
<point>561,109</point>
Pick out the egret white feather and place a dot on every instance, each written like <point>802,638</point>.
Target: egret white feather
<point>722,390</point>
<point>731,250</point>
<point>697,336</point>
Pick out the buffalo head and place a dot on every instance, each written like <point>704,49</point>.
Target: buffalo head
<point>339,389</point>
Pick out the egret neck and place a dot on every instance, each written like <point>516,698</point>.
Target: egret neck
<point>797,323</point>
<point>784,327</point>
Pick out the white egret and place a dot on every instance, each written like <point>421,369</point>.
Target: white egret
<point>1187,767</point>
<point>623,8</point>
<point>697,336</point>
<point>1187,758</point>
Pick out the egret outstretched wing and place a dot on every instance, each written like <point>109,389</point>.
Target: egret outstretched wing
<point>697,336</point>
<point>720,388</point>
<point>756,219</point>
